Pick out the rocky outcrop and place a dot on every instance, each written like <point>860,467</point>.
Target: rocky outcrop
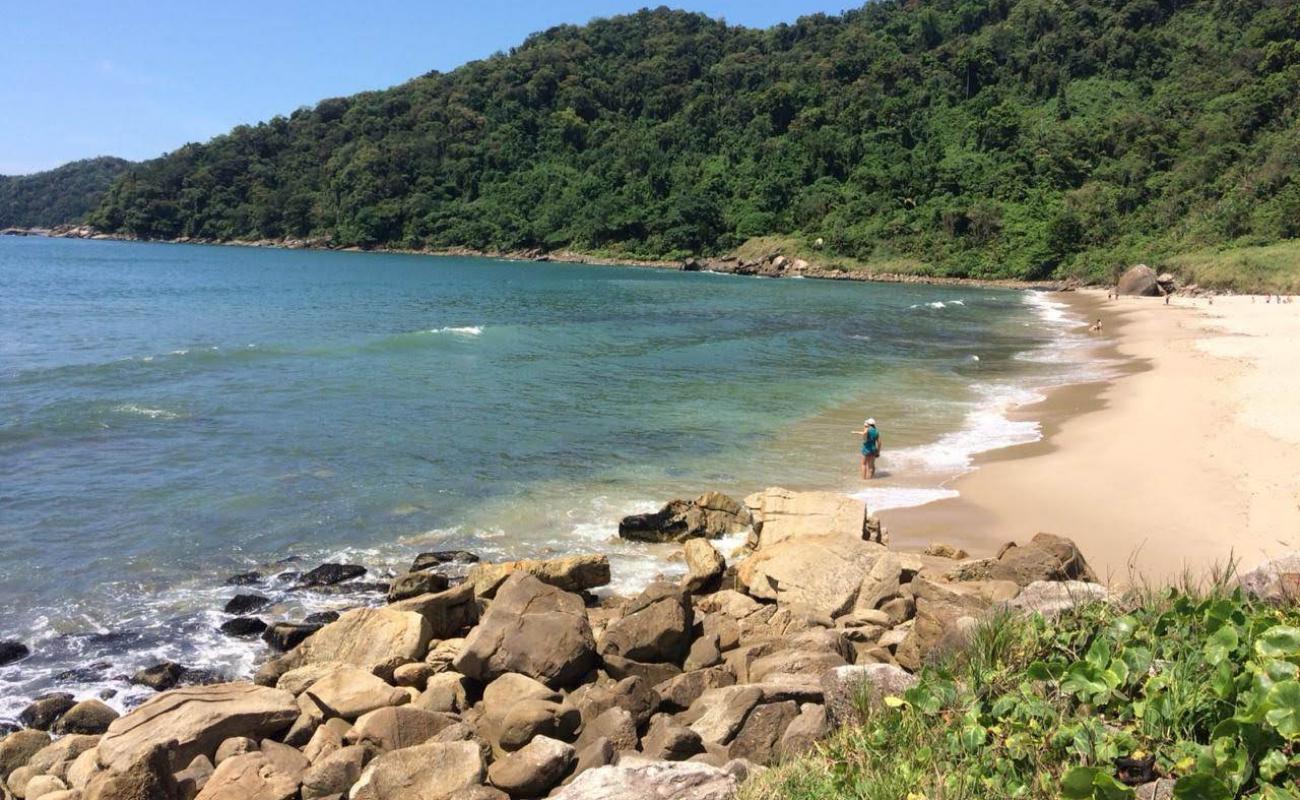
<point>1139,280</point>
<point>1046,557</point>
<point>364,637</point>
<point>533,629</point>
<point>819,573</point>
<point>527,689</point>
<point>196,720</point>
<point>780,514</point>
<point>708,516</point>
<point>572,573</point>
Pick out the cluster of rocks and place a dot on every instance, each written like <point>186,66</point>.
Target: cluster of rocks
<point>519,683</point>
<point>773,265</point>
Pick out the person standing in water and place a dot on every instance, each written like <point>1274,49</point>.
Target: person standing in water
<point>870,448</point>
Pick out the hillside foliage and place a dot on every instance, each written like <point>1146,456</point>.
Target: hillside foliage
<point>982,138</point>
<point>58,196</point>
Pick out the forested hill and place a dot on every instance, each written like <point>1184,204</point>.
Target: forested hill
<point>981,137</point>
<point>58,196</point>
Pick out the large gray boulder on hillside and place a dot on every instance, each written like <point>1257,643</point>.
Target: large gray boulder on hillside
<point>534,629</point>
<point>1139,280</point>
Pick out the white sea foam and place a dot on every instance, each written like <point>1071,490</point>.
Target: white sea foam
<point>464,330</point>
<point>151,413</point>
<point>881,498</point>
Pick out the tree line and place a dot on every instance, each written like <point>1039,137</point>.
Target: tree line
<point>985,138</point>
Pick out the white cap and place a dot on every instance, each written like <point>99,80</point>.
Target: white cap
<point>871,421</point>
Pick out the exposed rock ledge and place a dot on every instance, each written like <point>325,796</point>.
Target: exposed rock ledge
<point>517,683</point>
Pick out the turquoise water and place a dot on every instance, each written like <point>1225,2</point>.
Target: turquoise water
<point>173,414</point>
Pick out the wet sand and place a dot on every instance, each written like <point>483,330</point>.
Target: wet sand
<point>1187,460</point>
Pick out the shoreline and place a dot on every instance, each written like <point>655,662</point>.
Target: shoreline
<point>1163,469</point>
<point>724,264</point>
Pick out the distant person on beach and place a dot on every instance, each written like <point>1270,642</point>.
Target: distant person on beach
<point>870,448</point>
<point>1095,327</point>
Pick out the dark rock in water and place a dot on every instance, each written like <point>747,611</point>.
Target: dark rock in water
<point>430,560</point>
<point>46,710</point>
<point>288,560</point>
<point>288,577</point>
<point>7,728</point>
<point>160,677</point>
<point>284,636</point>
<point>12,651</point>
<point>199,676</point>
<point>86,674</point>
<point>243,626</point>
<point>320,618</point>
<point>414,584</point>
<point>107,694</point>
<point>357,587</point>
<point>244,579</point>
<point>246,603</point>
<point>89,717</point>
<point>330,574</point>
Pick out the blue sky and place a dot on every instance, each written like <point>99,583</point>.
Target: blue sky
<point>137,79</point>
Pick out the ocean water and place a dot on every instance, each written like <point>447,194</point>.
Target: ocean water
<point>172,414</point>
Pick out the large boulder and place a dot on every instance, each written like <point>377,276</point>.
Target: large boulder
<point>655,626</point>
<point>708,516</point>
<point>1139,280</point>
<point>88,717</point>
<point>532,770</point>
<point>18,747</point>
<point>821,574</point>
<point>414,584</point>
<point>634,779</point>
<point>197,719</point>
<point>396,728</point>
<point>534,629</point>
<point>146,777</point>
<point>433,771</point>
<point>759,738</point>
<point>349,692</point>
<point>1046,557</point>
<point>448,613</point>
<point>252,776</point>
<point>365,637</point>
<point>781,514</point>
<point>718,713</point>
<point>45,710</point>
<point>704,566</point>
<point>571,573</point>
<point>334,774</point>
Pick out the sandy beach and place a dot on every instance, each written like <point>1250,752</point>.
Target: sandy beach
<point>1185,461</point>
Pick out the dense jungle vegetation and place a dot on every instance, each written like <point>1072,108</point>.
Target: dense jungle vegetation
<point>58,196</point>
<point>983,138</point>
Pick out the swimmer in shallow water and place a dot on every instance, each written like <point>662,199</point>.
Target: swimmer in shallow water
<point>870,448</point>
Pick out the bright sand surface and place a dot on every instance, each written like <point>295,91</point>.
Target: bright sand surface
<point>1189,458</point>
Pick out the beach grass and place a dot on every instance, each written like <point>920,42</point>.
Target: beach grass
<point>1197,684</point>
<point>1271,268</point>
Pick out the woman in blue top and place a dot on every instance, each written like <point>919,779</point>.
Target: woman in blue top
<point>870,448</point>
